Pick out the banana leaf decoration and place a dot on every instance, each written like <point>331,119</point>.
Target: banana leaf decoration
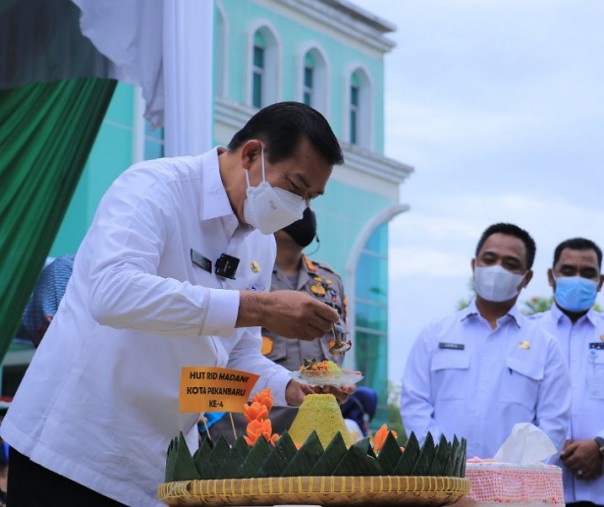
<point>220,461</point>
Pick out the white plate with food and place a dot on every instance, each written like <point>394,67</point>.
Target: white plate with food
<point>325,373</point>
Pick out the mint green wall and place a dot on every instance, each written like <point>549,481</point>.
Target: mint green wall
<point>243,14</point>
<point>342,213</point>
<point>110,155</point>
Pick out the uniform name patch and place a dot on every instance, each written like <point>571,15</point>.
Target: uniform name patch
<point>451,346</point>
<point>596,346</point>
<point>201,261</point>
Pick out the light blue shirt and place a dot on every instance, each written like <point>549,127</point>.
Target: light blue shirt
<point>464,378</point>
<point>582,346</point>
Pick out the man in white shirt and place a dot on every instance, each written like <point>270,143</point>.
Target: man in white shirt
<point>174,271</point>
<point>576,278</point>
<point>487,367</point>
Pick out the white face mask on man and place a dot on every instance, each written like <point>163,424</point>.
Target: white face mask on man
<point>497,284</point>
<point>269,208</point>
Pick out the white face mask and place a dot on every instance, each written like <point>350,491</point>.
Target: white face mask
<point>495,283</point>
<point>270,208</point>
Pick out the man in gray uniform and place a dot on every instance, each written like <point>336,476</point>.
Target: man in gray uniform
<point>295,271</point>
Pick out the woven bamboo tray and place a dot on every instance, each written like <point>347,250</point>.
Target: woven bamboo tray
<point>378,490</point>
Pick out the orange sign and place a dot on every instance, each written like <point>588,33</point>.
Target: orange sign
<point>208,389</point>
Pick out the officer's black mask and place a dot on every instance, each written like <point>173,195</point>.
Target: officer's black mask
<point>304,230</point>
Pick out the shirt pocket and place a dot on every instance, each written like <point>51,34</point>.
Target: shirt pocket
<point>521,381</point>
<point>596,360</point>
<point>449,370</point>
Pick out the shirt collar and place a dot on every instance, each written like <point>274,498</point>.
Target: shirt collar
<point>471,310</point>
<point>559,315</point>
<point>215,202</point>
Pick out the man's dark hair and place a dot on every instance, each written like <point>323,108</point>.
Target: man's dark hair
<point>283,125</point>
<point>511,230</point>
<point>577,244</point>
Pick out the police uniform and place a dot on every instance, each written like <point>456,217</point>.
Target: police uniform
<point>582,345</point>
<point>322,282</point>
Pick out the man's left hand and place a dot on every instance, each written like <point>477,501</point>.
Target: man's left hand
<point>582,458</point>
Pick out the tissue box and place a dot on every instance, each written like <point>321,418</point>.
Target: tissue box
<point>497,484</point>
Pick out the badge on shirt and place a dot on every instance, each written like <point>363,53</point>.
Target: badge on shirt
<point>451,346</point>
<point>318,289</point>
<point>596,346</point>
<point>201,261</point>
<point>524,344</point>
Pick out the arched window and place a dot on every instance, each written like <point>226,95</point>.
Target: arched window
<point>360,110</point>
<point>264,68</point>
<point>258,77</point>
<point>309,81</point>
<point>313,79</point>
<point>355,91</point>
<point>371,312</point>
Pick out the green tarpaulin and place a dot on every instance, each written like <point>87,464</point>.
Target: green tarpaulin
<point>46,133</point>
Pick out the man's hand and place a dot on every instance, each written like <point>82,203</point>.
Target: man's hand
<point>288,313</point>
<point>582,458</point>
<point>295,392</point>
<point>341,393</point>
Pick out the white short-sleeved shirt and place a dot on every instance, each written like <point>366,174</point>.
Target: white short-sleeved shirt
<point>464,378</point>
<point>582,346</point>
<point>99,402</point>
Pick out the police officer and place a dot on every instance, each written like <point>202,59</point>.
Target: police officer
<point>295,271</point>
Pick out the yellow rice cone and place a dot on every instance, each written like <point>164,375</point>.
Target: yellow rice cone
<point>321,413</point>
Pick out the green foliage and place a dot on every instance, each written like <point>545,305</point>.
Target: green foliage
<point>395,423</point>
<point>536,305</point>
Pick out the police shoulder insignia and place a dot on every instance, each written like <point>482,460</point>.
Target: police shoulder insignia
<point>267,345</point>
<point>309,264</point>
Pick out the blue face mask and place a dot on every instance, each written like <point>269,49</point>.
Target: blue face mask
<point>575,293</point>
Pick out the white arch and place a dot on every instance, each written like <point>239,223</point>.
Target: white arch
<point>271,90</point>
<point>351,266</point>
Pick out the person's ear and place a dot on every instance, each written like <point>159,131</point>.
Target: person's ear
<point>552,279</point>
<point>600,283</point>
<point>473,264</point>
<point>250,151</point>
<point>528,276</point>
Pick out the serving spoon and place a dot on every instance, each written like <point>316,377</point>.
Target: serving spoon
<point>339,346</point>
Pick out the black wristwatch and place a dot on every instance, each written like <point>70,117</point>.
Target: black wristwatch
<point>600,442</point>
